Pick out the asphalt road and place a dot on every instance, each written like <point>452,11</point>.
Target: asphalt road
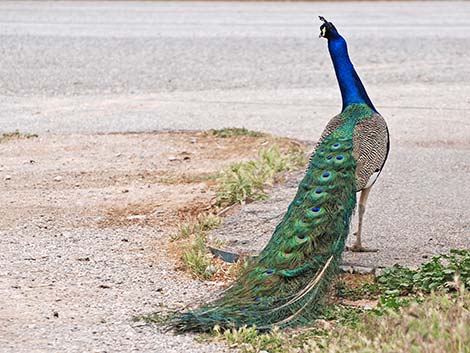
<point>139,66</point>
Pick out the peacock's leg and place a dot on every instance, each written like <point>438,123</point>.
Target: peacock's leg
<point>357,247</point>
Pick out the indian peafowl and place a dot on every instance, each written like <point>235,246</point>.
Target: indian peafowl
<point>285,284</point>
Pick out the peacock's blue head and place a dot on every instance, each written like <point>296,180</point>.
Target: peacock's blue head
<point>328,29</point>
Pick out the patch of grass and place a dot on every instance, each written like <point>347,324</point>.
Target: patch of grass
<point>439,324</point>
<point>343,314</point>
<point>204,222</point>
<point>197,260</point>
<point>235,131</point>
<point>152,318</point>
<point>195,257</point>
<point>185,179</point>
<point>16,135</point>
<point>246,181</point>
<point>249,340</point>
<point>366,291</point>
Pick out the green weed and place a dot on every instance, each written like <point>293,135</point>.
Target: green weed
<point>343,314</point>
<point>246,181</point>
<point>249,340</point>
<point>234,131</point>
<point>203,223</point>
<point>436,274</point>
<point>399,286</point>
<point>197,260</point>
<point>195,257</point>
<point>152,318</point>
<point>15,135</point>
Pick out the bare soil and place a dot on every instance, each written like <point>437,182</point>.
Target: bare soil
<point>84,228</point>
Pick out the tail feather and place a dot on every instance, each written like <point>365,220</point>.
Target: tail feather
<point>285,284</point>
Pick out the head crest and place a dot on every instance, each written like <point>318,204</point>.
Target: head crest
<point>327,29</point>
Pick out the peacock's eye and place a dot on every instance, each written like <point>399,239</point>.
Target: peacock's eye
<point>269,272</point>
<point>316,209</point>
<point>318,191</point>
<point>326,175</point>
<point>329,157</point>
<point>339,157</point>
<point>302,236</point>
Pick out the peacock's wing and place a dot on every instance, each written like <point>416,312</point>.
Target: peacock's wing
<point>371,147</point>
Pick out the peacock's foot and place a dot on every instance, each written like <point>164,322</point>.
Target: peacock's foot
<point>360,248</point>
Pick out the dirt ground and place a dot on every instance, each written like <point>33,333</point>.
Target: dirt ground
<point>84,227</point>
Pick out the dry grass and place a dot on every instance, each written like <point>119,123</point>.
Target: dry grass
<point>440,324</point>
<point>15,135</point>
<point>247,181</point>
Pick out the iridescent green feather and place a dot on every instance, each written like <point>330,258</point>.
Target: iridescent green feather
<point>285,284</point>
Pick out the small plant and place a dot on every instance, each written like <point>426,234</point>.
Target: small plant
<point>204,222</point>
<point>234,131</point>
<point>152,318</point>
<point>399,286</point>
<point>364,291</point>
<point>396,280</point>
<point>16,135</point>
<point>246,181</point>
<point>343,314</point>
<point>195,257</point>
<point>392,301</point>
<point>249,340</point>
<point>433,275</point>
<point>442,269</point>
<point>208,221</point>
<point>197,260</point>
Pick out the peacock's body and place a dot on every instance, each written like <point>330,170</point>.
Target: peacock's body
<point>285,284</point>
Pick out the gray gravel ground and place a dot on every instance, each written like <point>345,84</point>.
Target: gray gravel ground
<point>139,66</point>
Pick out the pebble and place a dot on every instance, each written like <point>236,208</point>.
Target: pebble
<point>58,178</point>
<point>137,216</point>
<point>7,177</point>
<point>211,269</point>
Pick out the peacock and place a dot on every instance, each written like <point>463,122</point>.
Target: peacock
<point>285,284</point>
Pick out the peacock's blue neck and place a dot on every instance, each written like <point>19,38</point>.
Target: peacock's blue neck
<point>352,89</point>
